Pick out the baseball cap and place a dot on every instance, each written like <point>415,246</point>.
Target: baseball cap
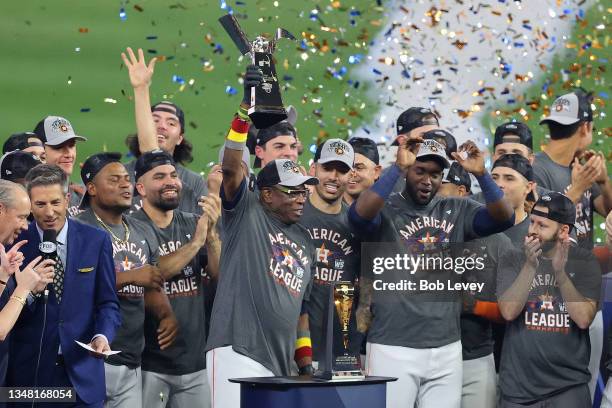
<point>335,150</point>
<point>16,164</point>
<point>430,149</point>
<point>150,160</point>
<point>19,141</point>
<point>457,175</point>
<point>515,162</point>
<point>92,166</point>
<point>570,108</point>
<point>513,132</point>
<point>55,130</point>
<point>165,106</point>
<point>365,146</point>
<point>560,208</point>
<point>263,136</point>
<point>283,172</point>
<point>444,138</point>
<point>413,118</point>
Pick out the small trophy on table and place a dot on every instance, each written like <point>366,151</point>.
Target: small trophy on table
<point>340,365</point>
<point>266,104</point>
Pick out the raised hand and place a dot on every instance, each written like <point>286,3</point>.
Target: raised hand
<point>32,277</point>
<point>532,251</point>
<point>214,179</point>
<point>140,72</point>
<point>45,270</point>
<point>407,151</point>
<point>559,258</point>
<point>10,261</point>
<point>252,77</point>
<point>470,158</point>
<point>211,207</point>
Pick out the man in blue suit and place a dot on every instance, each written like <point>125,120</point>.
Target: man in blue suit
<point>82,302</point>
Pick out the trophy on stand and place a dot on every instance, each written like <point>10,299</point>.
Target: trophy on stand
<point>266,104</point>
<point>340,365</point>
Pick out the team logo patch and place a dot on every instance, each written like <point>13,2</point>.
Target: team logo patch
<point>60,125</point>
<point>291,166</point>
<point>338,148</point>
<point>546,198</point>
<point>561,104</point>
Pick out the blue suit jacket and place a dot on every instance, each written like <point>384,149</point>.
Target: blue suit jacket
<point>89,306</point>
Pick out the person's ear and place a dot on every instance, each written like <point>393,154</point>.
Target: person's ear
<point>564,233</point>
<point>140,188</point>
<point>312,171</point>
<point>91,189</point>
<point>266,195</point>
<point>377,171</point>
<point>259,152</point>
<point>462,191</point>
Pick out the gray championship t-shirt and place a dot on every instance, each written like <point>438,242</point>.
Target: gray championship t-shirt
<point>265,276</point>
<point>336,259</point>
<point>186,295</point>
<point>556,177</point>
<point>194,187</point>
<point>419,319</point>
<point>74,203</point>
<point>140,249</point>
<point>477,331</point>
<point>544,351</point>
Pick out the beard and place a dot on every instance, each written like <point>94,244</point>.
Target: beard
<point>166,204</point>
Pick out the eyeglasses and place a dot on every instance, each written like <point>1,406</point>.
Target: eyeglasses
<point>293,194</point>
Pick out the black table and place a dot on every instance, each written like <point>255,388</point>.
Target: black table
<point>297,392</point>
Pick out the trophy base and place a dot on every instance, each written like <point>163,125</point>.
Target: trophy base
<point>354,375</point>
<point>266,116</point>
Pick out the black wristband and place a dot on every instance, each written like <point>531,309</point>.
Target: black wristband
<point>306,370</point>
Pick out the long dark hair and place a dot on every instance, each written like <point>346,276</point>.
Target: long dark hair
<point>182,152</point>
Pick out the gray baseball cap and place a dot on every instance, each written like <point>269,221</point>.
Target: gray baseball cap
<point>283,172</point>
<point>569,109</point>
<point>55,130</point>
<point>335,150</point>
<point>433,150</point>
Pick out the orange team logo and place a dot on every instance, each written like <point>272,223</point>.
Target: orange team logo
<point>547,302</point>
<point>126,264</point>
<point>322,254</point>
<point>288,259</point>
<point>339,151</point>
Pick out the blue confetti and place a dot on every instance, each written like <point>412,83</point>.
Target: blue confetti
<point>152,51</point>
<point>151,37</point>
<point>567,11</point>
<point>287,78</point>
<point>581,13</point>
<point>474,59</point>
<point>527,26</point>
<point>240,3</point>
<point>418,61</point>
<point>586,45</point>
<point>313,148</point>
<point>510,101</point>
<point>506,67</point>
<point>230,90</point>
<point>355,13</point>
<point>179,80</point>
<point>314,16</point>
<point>603,94</point>
<point>303,45</point>
<point>356,85</point>
<point>366,130</point>
<point>406,74</point>
<point>85,109</point>
<point>223,4</point>
<point>355,59</point>
<point>122,14</point>
<point>519,44</point>
<point>342,70</point>
<point>377,72</point>
<point>218,49</point>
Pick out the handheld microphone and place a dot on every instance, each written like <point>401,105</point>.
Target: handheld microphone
<point>48,250</point>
